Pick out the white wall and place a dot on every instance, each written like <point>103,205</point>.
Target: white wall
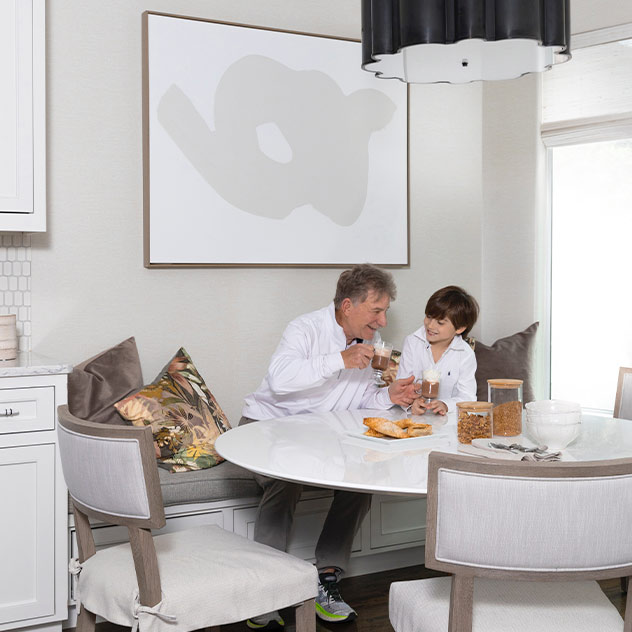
<point>90,289</point>
<point>591,15</point>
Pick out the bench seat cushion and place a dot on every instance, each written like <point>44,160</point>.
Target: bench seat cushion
<point>222,482</point>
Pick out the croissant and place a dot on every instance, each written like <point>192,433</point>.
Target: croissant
<point>386,427</point>
<point>374,433</point>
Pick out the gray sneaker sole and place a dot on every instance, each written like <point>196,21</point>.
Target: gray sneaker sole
<point>321,613</point>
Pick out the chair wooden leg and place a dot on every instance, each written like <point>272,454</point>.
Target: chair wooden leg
<point>86,621</point>
<point>627,622</point>
<point>624,584</point>
<point>306,617</point>
<point>461,598</point>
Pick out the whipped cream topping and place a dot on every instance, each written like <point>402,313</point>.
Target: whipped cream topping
<point>431,375</point>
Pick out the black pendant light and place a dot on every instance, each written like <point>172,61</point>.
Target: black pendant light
<point>458,41</point>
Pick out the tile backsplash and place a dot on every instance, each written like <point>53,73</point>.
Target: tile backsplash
<point>15,283</point>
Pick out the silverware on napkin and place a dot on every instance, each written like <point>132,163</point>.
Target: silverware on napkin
<point>536,453</point>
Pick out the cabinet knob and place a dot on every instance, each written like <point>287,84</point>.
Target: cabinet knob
<point>9,412</point>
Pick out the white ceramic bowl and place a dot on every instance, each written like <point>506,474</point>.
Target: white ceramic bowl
<point>556,436</point>
<point>553,411</point>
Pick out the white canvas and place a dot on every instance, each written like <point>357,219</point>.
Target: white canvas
<point>269,147</point>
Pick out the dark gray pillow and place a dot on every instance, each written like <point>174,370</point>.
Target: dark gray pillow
<point>510,358</point>
<point>94,386</point>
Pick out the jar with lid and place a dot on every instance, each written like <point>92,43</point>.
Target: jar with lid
<point>506,397</point>
<point>474,421</point>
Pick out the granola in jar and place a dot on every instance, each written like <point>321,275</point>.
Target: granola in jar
<point>474,421</point>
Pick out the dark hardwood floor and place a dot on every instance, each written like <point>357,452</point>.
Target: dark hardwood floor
<point>368,594</point>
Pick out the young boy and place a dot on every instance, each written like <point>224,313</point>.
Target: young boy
<point>450,314</point>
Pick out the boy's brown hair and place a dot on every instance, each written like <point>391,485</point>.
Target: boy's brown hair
<point>455,303</point>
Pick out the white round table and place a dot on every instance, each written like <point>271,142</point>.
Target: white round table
<point>329,449</point>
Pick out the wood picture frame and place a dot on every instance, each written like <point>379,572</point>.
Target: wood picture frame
<point>264,147</point>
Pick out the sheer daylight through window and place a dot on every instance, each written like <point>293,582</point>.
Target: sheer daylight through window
<point>591,294</point>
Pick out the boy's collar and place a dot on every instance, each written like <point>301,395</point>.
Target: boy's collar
<point>457,343</point>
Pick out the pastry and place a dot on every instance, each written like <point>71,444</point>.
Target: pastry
<point>419,430</point>
<point>385,426</point>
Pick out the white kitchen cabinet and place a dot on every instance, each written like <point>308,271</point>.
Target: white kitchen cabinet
<point>33,529</point>
<point>22,116</point>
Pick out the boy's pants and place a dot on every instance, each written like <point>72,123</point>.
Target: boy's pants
<point>275,517</point>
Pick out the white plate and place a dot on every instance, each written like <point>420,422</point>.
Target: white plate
<point>393,442</point>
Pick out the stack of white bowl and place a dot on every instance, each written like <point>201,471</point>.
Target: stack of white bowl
<point>553,422</point>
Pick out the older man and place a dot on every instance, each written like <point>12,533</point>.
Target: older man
<point>322,364</point>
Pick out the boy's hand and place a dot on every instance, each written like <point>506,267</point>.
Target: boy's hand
<point>437,406</point>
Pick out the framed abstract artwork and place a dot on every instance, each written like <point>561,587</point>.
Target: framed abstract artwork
<point>269,148</point>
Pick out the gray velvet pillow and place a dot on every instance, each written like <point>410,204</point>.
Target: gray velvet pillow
<point>94,386</point>
<point>510,357</point>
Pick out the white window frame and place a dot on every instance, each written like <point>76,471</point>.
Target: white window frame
<point>576,132</point>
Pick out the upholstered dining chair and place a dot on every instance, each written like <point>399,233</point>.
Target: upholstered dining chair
<point>623,398</point>
<point>524,543</point>
<point>187,580</point>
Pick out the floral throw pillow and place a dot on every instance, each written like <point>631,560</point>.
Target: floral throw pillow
<point>184,416</point>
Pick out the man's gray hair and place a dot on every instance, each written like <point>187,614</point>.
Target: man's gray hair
<point>355,284</point>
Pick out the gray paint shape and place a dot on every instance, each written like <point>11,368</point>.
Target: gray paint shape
<point>327,131</point>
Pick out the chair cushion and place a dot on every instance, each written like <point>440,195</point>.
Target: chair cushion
<point>209,577</point>
<point>184,416</point>
<point>94,386</point>
<point>518,606</point>
<point>223,482</point>
<point>510,357</point>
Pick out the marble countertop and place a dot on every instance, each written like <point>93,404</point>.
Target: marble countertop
<point>32,364</point>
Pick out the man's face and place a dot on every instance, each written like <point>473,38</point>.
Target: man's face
<point>362,320</point>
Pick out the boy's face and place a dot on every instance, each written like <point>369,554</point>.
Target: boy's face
<point>440,330</point>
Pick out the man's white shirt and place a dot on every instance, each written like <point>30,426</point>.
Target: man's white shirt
<point>307,373</point>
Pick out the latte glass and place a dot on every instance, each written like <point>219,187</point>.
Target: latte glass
<point>381,357</point>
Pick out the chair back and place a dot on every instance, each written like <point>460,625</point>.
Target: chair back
<point>519,520</point>
<point>111,471</point>
<point>623,399</point>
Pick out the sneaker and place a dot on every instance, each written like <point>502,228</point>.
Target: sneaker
<point>268,621</point>
<point>330,606</point>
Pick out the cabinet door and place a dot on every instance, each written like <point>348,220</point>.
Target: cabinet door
<point>22,116</point>
<point>397,521</point>
<point>27,532</point>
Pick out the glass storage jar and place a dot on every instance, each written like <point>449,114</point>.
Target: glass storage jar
<point>506,397</point>
<point>474,421</point>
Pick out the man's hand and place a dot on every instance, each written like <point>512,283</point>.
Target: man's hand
<point>403,392</point>
<point>419,407</point>
<point>357,356</point>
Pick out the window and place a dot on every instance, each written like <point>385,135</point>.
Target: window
<point>588,128</point>
<point>591,270</point>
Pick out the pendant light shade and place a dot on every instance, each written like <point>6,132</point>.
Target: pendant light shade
<point>458,41</point>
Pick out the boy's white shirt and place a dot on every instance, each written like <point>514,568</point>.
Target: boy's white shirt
<point>457,366</point>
